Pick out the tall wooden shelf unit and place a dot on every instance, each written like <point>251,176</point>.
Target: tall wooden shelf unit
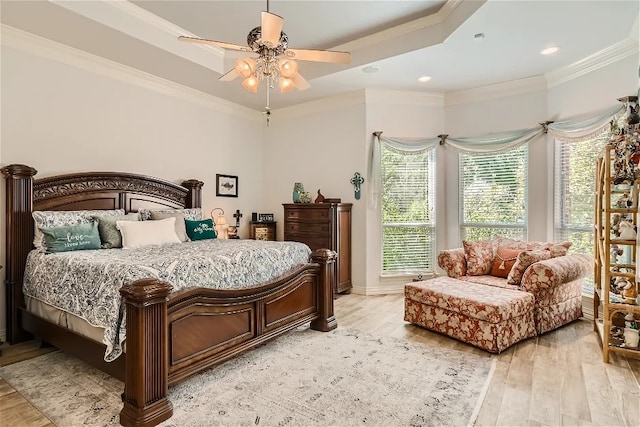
<point>609,306</point>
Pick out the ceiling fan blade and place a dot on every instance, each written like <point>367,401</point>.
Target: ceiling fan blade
<point>271,27</point>
<point>223,45</point>
<point>230,75</point>
<point>300,82</point>
<point>319,55</point>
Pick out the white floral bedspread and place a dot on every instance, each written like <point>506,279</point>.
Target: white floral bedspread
<point>87,283</point>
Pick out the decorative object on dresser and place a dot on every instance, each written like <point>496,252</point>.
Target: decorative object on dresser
<point>298,189</point>
<point>323,225</point>
<point>226,185</point>
<point>320,197</point>
<point>220,223</point>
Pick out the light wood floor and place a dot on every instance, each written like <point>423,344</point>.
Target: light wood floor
<point>557,379</point>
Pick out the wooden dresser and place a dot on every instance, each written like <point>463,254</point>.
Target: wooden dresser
<point>323,225</point>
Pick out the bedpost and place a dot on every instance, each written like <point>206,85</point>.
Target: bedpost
<point>194,196</point>
<point>19,241</point>
<point>147,365</point>
<point>327,260</point>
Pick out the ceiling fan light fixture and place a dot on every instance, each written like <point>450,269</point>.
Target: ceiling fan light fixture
<point>288,68</point>
<point>286,84</point>
<point>251,84</point>
<point>246,67</point>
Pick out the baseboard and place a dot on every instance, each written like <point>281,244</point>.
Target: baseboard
<point>587,306</point>
<point>379,290</point>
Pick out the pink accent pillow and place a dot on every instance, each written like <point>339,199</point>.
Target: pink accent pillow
<point>559,249</point>
<point>525,259</point>
<point>479,256</point>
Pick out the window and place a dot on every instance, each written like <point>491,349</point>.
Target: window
<point>408,211</point>
<point>574,184</point>
<point>493,194</point>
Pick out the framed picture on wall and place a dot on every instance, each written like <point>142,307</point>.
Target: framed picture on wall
<point>226,185</point>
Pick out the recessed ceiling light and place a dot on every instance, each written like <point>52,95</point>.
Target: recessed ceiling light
<point>549,50</point>
<point>370,69</point>
<point>478,36</point>
<point>424,79</point>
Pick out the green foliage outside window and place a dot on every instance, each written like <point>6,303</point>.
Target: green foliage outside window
<point>493,194</point>
<point>408,194</point>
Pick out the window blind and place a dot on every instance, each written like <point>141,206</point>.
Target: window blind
<point>574,195</point>
<point>408,206</point>
<point>493,194</point>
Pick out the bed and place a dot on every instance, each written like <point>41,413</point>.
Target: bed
<point>170,335</point>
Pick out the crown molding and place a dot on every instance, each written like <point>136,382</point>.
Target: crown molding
<point>397,97</point>
<point>320,105</point>
<point>400,30</point>
<point>498,90</point>
<point>58,52</point>
<point>607,56</point>
<point>127,18</point>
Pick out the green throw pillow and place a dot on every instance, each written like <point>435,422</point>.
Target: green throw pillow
<point>200,230</point>
<point>72,237</point>
<point>109,234</point>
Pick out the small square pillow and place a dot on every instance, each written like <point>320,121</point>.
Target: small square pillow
<point>504,261</point>
<point>479,256</point>
<point>525,259</point>
<point>181,230</point>
<point>71,237</point>
<point>200,230</point>
<point>136,234</point>
<point>109,234</point>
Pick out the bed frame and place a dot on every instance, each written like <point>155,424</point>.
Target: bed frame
<point>170,336</point>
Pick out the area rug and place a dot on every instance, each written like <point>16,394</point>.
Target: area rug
<point>304,378</point>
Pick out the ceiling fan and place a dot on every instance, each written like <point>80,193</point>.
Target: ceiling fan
<point>276,62</point>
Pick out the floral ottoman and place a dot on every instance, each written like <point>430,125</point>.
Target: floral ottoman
<point>488,317</point>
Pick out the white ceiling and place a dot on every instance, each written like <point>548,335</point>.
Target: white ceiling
<point>405,39</point>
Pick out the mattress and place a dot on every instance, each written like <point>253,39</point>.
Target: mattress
<point>86,283</point>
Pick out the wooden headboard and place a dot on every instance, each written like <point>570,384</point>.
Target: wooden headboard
<point>77,191</point>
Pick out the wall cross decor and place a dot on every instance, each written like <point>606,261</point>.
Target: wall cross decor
<point>357,181</point>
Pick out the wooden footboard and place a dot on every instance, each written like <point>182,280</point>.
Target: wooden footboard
<point>172,337</point>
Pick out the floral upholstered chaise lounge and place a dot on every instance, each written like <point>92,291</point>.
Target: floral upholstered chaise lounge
<point>500,291</point>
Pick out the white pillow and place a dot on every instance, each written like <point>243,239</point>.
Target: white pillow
<point>136,234</point>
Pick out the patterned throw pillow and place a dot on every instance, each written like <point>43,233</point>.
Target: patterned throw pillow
<point>525,259</point>
<point>71,237</point>
<point>558,250</point>
<point>200,230</point>
<point>479,256</point>
<point>50,219</point>
<point>190,213</point>
<point>109,234</point>
<point>504,261</point>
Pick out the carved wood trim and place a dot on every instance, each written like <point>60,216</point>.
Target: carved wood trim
<point>326,320</point>
<point>82,183</point>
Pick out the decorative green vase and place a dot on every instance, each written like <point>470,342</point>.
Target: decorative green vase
<point>298,189</point>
